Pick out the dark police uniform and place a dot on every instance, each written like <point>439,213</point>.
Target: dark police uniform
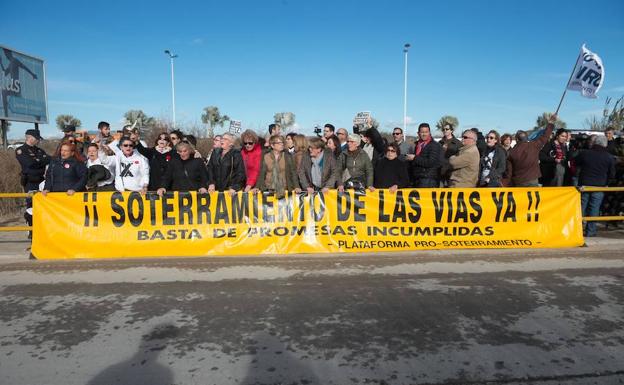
<point>33,161</point>
<point>65,174</point>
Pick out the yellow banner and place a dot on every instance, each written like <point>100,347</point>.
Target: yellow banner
<point>125,225</point>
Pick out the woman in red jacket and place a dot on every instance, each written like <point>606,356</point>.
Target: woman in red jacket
<point>252,153</point>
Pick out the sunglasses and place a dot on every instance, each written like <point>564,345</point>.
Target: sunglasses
<point>396,133</point>
<point>391,150</point>
<point>467,137</point>
<point>248,143</point>
<point>127,145</point>
<point>491,137</point>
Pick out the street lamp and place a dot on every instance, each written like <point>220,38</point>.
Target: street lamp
<point>405,49</point>
<point>171,57</point>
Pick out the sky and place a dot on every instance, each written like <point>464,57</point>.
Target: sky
<point>492,64</point>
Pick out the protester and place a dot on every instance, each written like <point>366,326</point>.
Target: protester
<point>333,143</point>
<point>450,146</point>
<point>252,154</point>
<point>374,145</point>
<point>33,162</point>
<point>132,169</point>
<point>175,137</point>
<point>65,173</point>
<point>554,161</point>
<point>290,142</point>
<point>427,159</point>
<point>390,171</point>
<point>100,169</point>
<point>216,146</point>
<point>278,172</point>
<point>465,165</point>
<point>328,131</point>
<point>505,142</point>
<point>404,147</point>
<point>318,169</point>
<point>493,162</point>
<point>342,135</point>
<point>300,148</point>
<point>192,140</point>
<point>226,169</point>
<point>185,172</point>
<point>159,157</point>
<point>523,160</point>
<point>481,145</point>
<point>355,167</point>
<point>597,167</point>
<point>104,135</point>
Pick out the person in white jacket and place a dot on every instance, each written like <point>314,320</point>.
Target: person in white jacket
<point>97,162</point>
<point>131,168</point>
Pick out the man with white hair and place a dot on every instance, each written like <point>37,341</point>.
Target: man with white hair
<point>597,167</point>
<point>354,166</point>
<point>342,135</point>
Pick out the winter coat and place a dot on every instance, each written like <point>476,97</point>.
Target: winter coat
<point>499,165</point>
<point>427,164</point>
<point>548,164</point>
<point>597,166</point>
<point>227,171</point>
<point>329,173</point>
<point>465,167</point>
<point>286,167</point>
<point>391,172</point>
<point>252,163</point>
<point>158,163</point>
<point>359,165</point>
<point>65,174</point>
<point>523,159</point>
<point>185,175</point>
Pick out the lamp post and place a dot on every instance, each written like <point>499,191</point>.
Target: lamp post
<point>405,49</point>
<point>171,57</point>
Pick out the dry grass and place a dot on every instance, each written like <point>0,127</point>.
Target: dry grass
<point>10,183</point>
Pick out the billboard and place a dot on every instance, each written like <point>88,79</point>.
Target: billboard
<point>22,87</point>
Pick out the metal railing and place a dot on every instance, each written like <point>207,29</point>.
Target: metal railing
<point>581,189</point>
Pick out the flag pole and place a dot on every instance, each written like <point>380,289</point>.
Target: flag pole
<point>568,83</point>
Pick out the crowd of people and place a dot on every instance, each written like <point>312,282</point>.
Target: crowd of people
<point>335,159</point>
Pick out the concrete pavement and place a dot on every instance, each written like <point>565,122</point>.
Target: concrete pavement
<point>439,317</point>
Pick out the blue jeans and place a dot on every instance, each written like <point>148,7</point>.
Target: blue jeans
<point>590,205</point>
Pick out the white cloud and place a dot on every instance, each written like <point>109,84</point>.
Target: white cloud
<point>411,122</point>
<point>87,104</point>
<point>197,41</point>
<point>616,89</point>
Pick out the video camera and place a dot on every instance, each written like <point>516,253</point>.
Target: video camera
<point>318,131</point>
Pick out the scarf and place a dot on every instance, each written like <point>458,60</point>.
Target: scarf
<point>317,171</point>
<point>421,145</point>
<point>276,181</point>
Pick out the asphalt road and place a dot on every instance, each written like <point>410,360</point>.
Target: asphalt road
<point>460,317</point>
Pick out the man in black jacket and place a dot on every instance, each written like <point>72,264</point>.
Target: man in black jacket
<point>554,161</point>
<point>33,161</point>
<point>597,167</point>
<point>425,164</point>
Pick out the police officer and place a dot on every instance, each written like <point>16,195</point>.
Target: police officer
<point>33,161</point>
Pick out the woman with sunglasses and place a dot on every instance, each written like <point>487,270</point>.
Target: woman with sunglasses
<point>450,146</point>
<point>159,157</point>
<point>493,162</point>
<point>131,168</point>
<point>390,171</point>
<point>252,153</point>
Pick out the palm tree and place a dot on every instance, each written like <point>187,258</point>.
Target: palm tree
<point>139,119</point>
<point>67,120</point>
<point>212,117</point>
<point>542,121</point>
<point>447,119</point>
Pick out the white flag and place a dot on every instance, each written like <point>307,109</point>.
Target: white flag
<point>589,74</point>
